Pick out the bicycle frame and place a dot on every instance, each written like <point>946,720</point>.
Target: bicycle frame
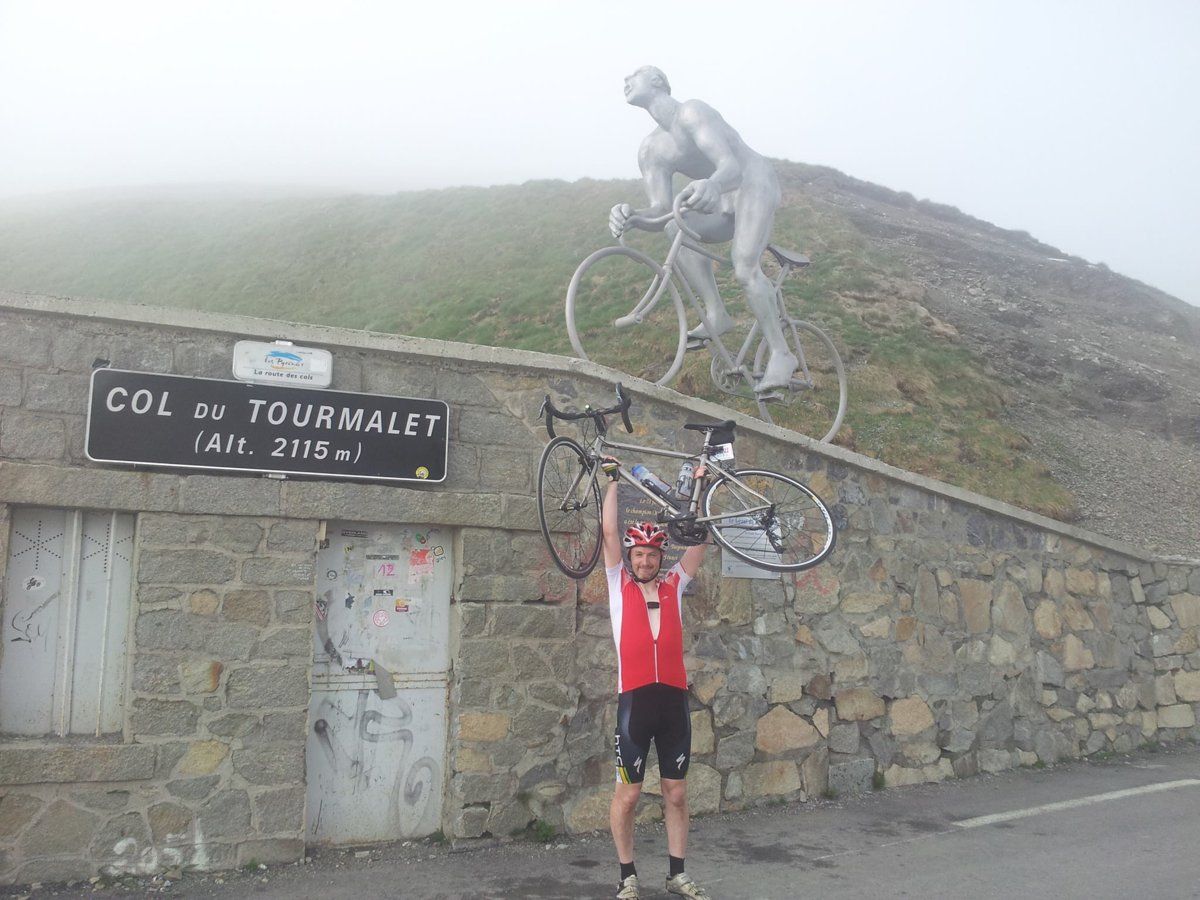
<point>660,283</point>
<point>601,443</point>
<point>778,508</point>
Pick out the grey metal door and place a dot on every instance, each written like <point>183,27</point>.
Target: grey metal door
<point>376,761</point>
<point>68,589</point>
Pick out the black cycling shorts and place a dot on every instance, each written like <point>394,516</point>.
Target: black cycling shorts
<point>653,712</point>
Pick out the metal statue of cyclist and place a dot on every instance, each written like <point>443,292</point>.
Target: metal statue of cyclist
<point>733,196</point>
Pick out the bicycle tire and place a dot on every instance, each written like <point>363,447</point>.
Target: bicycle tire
<point>799,520</point>
<point>595,293</point>
<point>569,507</point>
<point>830,358</point>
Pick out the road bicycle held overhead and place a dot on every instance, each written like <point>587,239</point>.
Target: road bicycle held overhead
<point>612,282</point>
<point>763,518</point>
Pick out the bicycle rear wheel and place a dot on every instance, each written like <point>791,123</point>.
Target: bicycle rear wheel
<point>569,507</point>
<point>770,521</point>
<point>820,380</point>
<point>622,285</point>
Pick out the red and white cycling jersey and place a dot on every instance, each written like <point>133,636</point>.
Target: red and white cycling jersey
<point>641,659</point>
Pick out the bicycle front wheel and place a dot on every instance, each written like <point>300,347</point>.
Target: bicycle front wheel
<point>770,521</point>
<point>624,312</point>
<point>569,507</point>
<point>820,379</point>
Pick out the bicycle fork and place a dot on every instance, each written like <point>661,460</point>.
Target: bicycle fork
<point>573,500</point>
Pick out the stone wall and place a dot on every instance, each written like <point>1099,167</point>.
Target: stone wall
<point>940,640</point>
<point>947,634</point>
<point>206,773</point>
<point>208,769</point>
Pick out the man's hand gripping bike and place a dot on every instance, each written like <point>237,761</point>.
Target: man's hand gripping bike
<point>762,517</point>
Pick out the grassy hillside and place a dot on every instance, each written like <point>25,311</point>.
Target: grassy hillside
<point>490,266</point>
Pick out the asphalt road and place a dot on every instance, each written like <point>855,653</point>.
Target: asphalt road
<point>985,837</point>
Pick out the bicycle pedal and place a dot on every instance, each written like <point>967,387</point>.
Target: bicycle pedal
<point>696,343</point>
<point>769,396</point>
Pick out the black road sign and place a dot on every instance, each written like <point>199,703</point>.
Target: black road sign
<point>146,419</point>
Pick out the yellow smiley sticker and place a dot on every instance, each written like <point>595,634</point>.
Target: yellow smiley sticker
<point>422,472</point>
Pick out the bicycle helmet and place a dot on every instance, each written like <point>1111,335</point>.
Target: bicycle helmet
<point>645,534</point>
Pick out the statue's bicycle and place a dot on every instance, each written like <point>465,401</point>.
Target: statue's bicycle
<point>763,518</point>
<point>613,279</point>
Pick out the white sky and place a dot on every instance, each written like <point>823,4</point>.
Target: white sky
<point>1075,120</point>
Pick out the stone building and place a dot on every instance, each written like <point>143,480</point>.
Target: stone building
<point>182,682</point>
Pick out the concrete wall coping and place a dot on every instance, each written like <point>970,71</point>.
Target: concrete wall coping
<point>248,327</point>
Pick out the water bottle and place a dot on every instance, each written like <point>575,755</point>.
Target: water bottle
<point>683,484</point>
<point>652,481</point>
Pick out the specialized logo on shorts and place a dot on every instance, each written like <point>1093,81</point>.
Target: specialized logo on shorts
<point>681,759</point>
<point>638,765</point>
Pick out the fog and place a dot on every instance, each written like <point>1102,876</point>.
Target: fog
<point>1075,121</point>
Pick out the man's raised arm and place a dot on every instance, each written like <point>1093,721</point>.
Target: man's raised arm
<point>610,525</point>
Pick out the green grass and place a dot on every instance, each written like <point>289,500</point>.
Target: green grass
<point>491,266</point>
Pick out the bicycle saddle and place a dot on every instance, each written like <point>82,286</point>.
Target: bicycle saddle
<point>710,426</point>
<point>787,257</point>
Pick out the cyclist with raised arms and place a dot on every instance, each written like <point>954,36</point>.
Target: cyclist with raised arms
<point>652,696</point>
<point>733,196</point>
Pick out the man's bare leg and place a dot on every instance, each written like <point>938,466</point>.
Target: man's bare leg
<point>675,814</point>
<point>697,269</point>
<point>755,213</point>
<point>620,819</point>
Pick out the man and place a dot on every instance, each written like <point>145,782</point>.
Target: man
<point>733,195</point>
<point>652,696</point>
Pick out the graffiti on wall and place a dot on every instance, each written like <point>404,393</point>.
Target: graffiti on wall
<point>132,857</point>
<point>366,750</point>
